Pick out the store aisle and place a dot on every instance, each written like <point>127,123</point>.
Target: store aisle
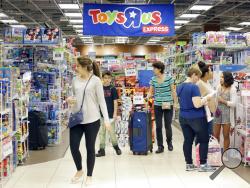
<point>125,171</point>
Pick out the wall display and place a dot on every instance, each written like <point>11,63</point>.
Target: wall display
<point>32,36</point>
<point>128,20</point>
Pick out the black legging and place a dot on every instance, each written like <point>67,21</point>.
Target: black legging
<point>91,131</point>
<point>168,115</point>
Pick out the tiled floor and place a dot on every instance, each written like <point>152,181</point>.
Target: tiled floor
<point>125,171</point>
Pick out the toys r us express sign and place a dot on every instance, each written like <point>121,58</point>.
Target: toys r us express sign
<point>128,20</point>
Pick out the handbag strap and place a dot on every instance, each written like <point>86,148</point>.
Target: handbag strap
<point>85,91</point>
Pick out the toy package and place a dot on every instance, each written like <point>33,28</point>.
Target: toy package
<point>130,81</point>
<point>13,35</point>
<point>221,37</point>
<point>211,37</point>
<point>32,36</point>
<point>51,36</point>
<point>119,81</point>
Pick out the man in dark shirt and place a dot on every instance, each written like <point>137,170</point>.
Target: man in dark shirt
<point>111,97</point>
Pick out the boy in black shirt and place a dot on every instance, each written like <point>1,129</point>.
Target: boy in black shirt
<point>111,97</point>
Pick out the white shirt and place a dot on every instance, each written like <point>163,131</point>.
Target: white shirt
<point>93,101</point>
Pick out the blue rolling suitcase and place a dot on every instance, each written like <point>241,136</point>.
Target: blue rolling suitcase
<point>141,133</point>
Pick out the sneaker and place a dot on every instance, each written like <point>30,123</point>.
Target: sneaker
<point>100,153</point>
<point>191,167</point>
<point>117,150</point>
<point>206,168</point>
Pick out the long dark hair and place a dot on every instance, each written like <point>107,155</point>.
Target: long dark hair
<point>91,65</point>
<point>204,68</point>
<point>228,79</point>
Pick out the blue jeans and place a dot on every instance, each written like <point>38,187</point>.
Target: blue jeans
<point>191,128</point>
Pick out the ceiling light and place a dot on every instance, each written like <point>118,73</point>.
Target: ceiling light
<point>244,23</point>
<point>75,21</point>
<point>189,15</point>
<point>79,30</point>
<point>3,15</point>
<point>177,27</point>
<point>234,28</point>
<point>18,26</point>
<point>73,14</point>
<point>69,6</point>
<point>153,40</point>
<point>78,26</point>
<point>181,21</point>
<point>201,7</point>
<point>8,21</point>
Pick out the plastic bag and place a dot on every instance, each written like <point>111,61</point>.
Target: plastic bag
<point>214,152</point>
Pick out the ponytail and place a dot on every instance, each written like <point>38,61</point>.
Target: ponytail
<point>91,65</point>
<point>96,69</point>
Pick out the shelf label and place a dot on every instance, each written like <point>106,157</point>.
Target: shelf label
<point>58,54</point>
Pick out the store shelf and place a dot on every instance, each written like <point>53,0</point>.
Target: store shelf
<point>52,121</point>
<point>47,65</point>
<point>226,47</point>
<point>8,135</point>
<point>6,111</point>
<point>23,138</point>
<point>23,118</point>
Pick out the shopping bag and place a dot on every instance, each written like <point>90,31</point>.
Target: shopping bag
<point>214,152</point>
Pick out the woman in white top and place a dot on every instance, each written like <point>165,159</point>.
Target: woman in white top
<point>93,101</point>
<point>206,89</point>
<point>225,112</point>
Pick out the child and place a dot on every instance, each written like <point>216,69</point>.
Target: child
<point>111,97</point>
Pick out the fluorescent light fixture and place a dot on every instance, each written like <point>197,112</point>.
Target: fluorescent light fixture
<point>152,40</point>
<point>18,26</point>
<point>73,14</point>
<point>201,7</point>
<point>8,21</point>
<point>79,30</point>
<point>177,27</point>
<point>69,6</point>
<point>181,21</point>
<point>78,26</point>
<point>3,15</point>
<point>189,15</point>
<point>244,23</point>
<point>75,21</point>
<point>234,28</point>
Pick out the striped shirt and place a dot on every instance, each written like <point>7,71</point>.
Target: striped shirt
<point>162,92</point>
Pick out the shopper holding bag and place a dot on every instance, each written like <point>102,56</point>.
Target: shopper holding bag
<point>88,98</point>
<point>225,113</point>
<point>164,100</point>
<point>193,119</point>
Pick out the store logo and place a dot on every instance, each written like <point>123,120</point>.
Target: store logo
<point>132,17</point>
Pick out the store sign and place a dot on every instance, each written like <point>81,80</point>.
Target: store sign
<point>128,20</point>
<point>58,54</point>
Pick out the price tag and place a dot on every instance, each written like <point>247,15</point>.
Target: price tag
<point>58,54</point>
<point>138,98</point>
<point>130,72</point>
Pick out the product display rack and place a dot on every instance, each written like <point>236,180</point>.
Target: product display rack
<point>243,122</point>
<point>7,132</point>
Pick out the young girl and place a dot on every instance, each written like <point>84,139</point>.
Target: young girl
<point>226,108</point>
